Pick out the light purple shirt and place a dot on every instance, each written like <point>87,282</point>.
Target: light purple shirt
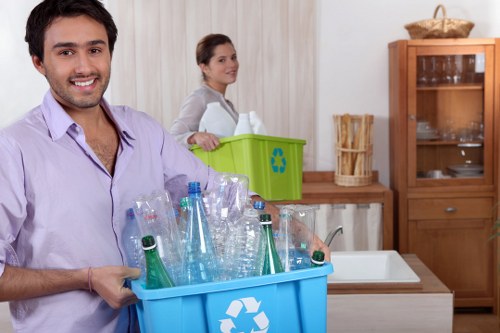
<point>61,209</point>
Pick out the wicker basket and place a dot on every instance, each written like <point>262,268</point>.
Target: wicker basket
<point>354,150</point>
<point>440,28</point>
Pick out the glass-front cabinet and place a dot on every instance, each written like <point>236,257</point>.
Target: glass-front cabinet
<point>444,151</point>
<point>450,116</point>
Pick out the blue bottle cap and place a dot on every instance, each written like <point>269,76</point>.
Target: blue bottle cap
<point>259,205</point>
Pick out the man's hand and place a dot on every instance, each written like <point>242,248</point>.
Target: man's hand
<point>108,282</point>
<point>299,229</point>
<point>207,141</point>
<point>318,244</point>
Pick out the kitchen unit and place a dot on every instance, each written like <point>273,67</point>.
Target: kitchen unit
<point>444,113</point>
<point>319,188</point>
<point>426,306</point>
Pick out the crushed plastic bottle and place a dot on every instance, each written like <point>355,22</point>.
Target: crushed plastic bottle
<point>244,248</point>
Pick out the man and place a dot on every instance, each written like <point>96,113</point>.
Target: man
<point>69,171</point>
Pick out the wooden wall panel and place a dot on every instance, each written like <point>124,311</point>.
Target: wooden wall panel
<point>154,65</point>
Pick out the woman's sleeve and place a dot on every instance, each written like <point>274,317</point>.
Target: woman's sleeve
<point>189,118</point>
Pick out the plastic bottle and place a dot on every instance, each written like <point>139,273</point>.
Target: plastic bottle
<point>131,242</point>
<point>156,274</point>
<point>243,126</point>
<point>183,218</point>
<point>257,124</point>
<point>157,218</point>
<point>317,259</point>
<point>272,262</point>
<point>199,253</point>
<point>216,120</point>
<point>244,247</point>
<point>294,248</point>
<point>284,241</point>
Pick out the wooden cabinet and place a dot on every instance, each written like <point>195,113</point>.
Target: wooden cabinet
<point>318,187</point>
<point>444,116</point>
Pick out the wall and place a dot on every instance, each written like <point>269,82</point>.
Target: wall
<point>351,66</point>
<point>155,68</point>
<point>353,61</point>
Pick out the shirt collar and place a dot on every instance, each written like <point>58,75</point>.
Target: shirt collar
<point>59,122</point>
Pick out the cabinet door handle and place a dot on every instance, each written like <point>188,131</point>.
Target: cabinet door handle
<point>450,209</point>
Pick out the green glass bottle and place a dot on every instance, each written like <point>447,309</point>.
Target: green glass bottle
<point>156,274</point>
<point>317,259</point>
<point>272,262</point>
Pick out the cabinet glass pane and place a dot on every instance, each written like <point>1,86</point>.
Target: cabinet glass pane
<point>450,113</point>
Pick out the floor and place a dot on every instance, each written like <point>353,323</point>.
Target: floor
<point>477,322</point>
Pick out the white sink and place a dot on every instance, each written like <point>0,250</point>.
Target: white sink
<point>370,267</point>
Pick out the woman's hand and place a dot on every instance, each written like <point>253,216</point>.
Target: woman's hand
<point>207,141</point>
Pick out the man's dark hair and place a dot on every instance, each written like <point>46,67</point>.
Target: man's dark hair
<point>48,10</point>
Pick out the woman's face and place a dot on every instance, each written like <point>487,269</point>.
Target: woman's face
<point>223,66</point>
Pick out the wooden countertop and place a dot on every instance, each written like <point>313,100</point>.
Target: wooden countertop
<point>319,187</point>
<point>429,283</point>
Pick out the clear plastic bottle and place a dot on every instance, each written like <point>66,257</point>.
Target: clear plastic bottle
<point>131,242</point>
<point>294,247</point>
<point>272,262</point>
<point>156,274</point>
<point>243,126</point>
<point>183,218</point>
<point>284,241</point>
<point>199,253</point>
<point>244,247</point>
<point>157,218</point>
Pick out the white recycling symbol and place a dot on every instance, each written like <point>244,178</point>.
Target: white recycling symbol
<point>251,306</point>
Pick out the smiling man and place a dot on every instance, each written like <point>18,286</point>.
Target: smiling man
<point>69,171</point>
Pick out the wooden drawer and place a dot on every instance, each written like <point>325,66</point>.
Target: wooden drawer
<point>450,208</point>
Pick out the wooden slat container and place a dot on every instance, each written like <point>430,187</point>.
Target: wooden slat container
<point>354,149</point>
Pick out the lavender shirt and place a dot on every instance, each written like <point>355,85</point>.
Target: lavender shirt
<point>60,208</point>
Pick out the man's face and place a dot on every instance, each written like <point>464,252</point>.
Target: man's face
<point>77,62</point>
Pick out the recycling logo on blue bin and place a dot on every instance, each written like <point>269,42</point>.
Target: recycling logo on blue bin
<point>250,320</point>
<point>278,161</point>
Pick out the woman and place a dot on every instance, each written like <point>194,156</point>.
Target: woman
<point>216,57</point>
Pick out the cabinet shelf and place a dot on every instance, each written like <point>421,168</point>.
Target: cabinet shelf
<point>462,86</point>
<point>459,144</point>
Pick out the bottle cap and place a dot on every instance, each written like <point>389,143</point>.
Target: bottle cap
<point>194,187</point>
<point>265,219</point>
<point>259,205</point>
<point>130,213</point>
<point>148,242</point>
<point>184,202</point>
<point>318,258</point>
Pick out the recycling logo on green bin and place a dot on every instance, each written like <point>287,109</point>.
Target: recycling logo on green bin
<point>278,161</point>
<point>250,320</point>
